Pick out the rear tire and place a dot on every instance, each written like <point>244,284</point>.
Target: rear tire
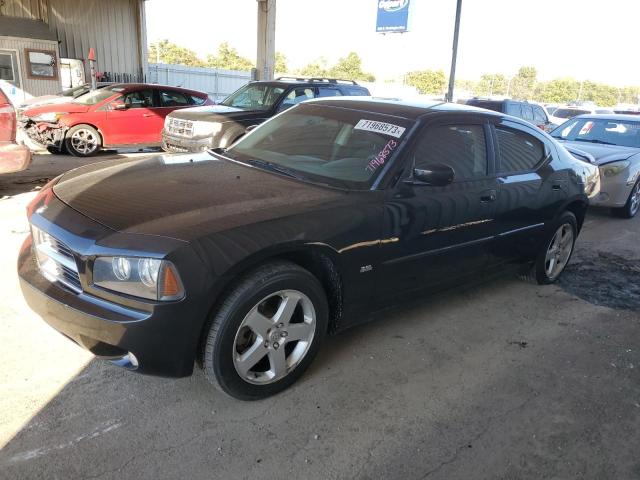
<point>83,141</point>
<point>266,332</point>
<point>632,206</point>
<point>556,251</point>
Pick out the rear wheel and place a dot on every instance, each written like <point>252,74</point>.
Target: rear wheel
<point>83,141</point>
<point>556,251</point>
<point>633,204</point>
<point>266,333</point>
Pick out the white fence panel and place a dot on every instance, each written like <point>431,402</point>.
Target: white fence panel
<point>217,83</point>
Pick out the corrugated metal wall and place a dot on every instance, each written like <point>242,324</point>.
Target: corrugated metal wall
<point>31,9</point>
<point>31,87</point>
<point>110,27</point>
<point>216,82</point>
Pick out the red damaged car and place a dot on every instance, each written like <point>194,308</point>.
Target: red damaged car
<point>121,115</point>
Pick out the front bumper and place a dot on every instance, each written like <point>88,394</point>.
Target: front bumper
<point>157,338</point>
<point>178,144</point>
<point>14,157</point>
<point>614,191</point>
<point>45,134</point>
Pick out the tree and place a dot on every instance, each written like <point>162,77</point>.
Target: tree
<point>166,52</point>
<point>427,81</point>
<point>317,68</point>
<point>350,68</point>
<point>228,58</point>
<point>281,63</point>
<point>559,90</point>
<point>523,84</point>
<point>492,84</point>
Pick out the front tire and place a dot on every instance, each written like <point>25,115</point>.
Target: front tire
<point>632,206</point>
<point>83,141</point>
<point>266,332</point>
<point>556,251</point>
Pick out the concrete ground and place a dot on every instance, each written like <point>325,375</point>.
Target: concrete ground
<point>501,381</point>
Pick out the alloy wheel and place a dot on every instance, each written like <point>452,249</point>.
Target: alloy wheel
<point>559,251</point>
<point>84,141</point>
<point>274,337</point>
<point>634,203</point>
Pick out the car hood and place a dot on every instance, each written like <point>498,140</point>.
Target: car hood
<point>186,196</point>
<point>603,153</point>
<point>217,113</point>
<point>67,107</point>
<point>44,100</point>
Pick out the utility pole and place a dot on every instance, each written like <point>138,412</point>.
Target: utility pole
<point>266,55</point>
<point>452,74</point>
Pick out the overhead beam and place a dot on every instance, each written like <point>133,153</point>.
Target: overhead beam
<point>266,51</point>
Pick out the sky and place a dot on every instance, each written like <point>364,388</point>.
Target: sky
<point>585,39</point>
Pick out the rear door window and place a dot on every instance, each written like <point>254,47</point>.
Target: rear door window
<point>462,147</point>
<point>328,92</point>
<point>514,109</point>
<point>519,151</point>
<point>197,100</point>
<point>539,116</point>
<point>174,98</point>
<point>139,99</point>
<point>527,113</point>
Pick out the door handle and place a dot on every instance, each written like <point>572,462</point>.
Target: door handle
<point>557,187</point>
<point>147,114</point>
<point>488,196</point>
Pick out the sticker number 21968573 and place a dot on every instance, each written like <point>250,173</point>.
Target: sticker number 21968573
<point>380,127</point>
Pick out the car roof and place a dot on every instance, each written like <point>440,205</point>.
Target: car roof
<point>407,108</point>
<point>288,81</point>
<point>133,86</point>
<point>610,116</point>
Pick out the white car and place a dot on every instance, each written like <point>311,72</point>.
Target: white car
<point>562,114</point>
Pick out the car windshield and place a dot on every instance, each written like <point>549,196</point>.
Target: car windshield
<point>607,132</point>
<point>74,91</point>
<point>254,96</point>
<point>96,96</point>
<point>551,110</point>
<point>569,112</point>
<point>335,146</point>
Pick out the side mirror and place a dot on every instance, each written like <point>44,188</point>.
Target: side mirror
<point>250,128</point>
<point>435,175</point>
<point>118,105</point>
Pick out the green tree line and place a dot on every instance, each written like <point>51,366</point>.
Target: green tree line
<point>228,58</point>
<point>526,86</point>
<point>523,85</point>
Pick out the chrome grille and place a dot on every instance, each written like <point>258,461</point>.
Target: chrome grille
<point>55,260</point>
<point>180,127</point>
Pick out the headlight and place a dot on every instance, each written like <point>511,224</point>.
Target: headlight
<point>613,169</point>
<point>202,129</point>
<point>141,277</point>
<point>47,117</point>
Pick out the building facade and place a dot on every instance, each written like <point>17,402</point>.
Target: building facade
<point>44,44</point>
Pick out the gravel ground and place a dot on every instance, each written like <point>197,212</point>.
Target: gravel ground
<point>501,381</point>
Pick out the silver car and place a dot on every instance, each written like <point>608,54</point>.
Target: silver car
<point>613,143</point>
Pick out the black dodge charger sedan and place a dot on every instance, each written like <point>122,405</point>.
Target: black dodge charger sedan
<point>244,259</point>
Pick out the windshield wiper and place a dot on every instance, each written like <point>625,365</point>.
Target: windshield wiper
<point>276,168</point>
<point>601,142</point>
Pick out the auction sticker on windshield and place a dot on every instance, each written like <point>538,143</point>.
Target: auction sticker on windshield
<point>380,127</point>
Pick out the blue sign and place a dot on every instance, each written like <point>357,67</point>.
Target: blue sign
<point>393,16</point>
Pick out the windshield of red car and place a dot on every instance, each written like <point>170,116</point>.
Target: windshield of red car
<point>97,96</point>
<point>332,145</point>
